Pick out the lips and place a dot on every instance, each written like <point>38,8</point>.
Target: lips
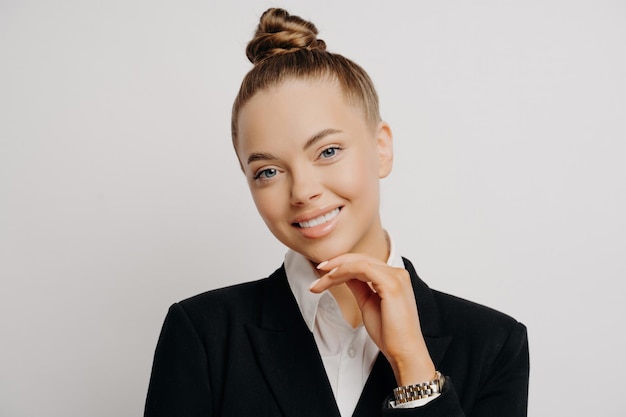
<point>319,220</point>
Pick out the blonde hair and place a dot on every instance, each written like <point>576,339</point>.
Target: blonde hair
<point>286,47</point>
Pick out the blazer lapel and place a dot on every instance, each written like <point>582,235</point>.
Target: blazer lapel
<point>287,355</point>
<point>379,385</point>
<point>430,319</point>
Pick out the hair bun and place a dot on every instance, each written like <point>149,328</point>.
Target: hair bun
<point>279,33</point>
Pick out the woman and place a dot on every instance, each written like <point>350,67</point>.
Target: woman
<point>345,326</point>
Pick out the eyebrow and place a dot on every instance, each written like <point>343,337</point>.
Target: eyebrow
<point>264,156</point>
<point>319,136</point>
<point>261,156</point>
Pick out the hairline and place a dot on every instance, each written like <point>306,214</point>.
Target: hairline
<point>371,116</point>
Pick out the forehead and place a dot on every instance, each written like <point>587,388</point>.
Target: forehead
<point>294,110</point>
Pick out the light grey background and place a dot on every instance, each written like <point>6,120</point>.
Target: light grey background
<point>120,193</point>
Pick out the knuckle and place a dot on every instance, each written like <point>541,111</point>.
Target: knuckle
<point>404,276</point>
<point>400,281</point>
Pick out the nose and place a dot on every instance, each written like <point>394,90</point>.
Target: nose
<point>305,187</point>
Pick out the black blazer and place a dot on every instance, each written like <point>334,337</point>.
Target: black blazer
<point>246,351</point>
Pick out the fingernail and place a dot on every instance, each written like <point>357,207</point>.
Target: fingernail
<point>332,271</point>
<point>321,264</point>
<point>314,283</point>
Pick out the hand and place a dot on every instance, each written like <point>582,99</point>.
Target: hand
<point>385,297</point>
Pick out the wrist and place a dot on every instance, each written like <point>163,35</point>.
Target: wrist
<point>413,372</point>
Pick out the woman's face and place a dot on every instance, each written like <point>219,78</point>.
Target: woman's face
<point>313,165</point>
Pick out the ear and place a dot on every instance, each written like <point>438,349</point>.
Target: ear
<point>384,149</point>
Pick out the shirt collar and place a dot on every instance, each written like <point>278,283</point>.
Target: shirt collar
<point>300,275</point>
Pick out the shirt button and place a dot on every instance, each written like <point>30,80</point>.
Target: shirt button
<point>351,351</point>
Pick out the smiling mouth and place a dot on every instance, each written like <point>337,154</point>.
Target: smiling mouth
<point>319,220</point>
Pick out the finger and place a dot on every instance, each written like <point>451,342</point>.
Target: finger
<point>336,276</point>
<point>384,278</point>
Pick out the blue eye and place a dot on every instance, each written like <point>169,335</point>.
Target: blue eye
<point>329,152</point>
<point>266,174</point>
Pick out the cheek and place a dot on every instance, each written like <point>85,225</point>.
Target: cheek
<point>357,178</point>
<point>266,203</point>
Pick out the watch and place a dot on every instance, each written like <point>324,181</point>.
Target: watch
<point>417,391</point>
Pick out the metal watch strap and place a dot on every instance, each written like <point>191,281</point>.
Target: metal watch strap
<point>417,391</point>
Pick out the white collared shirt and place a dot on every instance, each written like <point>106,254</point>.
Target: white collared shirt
<point>348,353</point>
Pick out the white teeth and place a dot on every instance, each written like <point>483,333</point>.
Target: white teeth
<point>320,220</point>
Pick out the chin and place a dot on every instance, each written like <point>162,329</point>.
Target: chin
<point>324,253</point>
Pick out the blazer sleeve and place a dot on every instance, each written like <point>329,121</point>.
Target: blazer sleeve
<point>503,393</point>
<point>179,384</point>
